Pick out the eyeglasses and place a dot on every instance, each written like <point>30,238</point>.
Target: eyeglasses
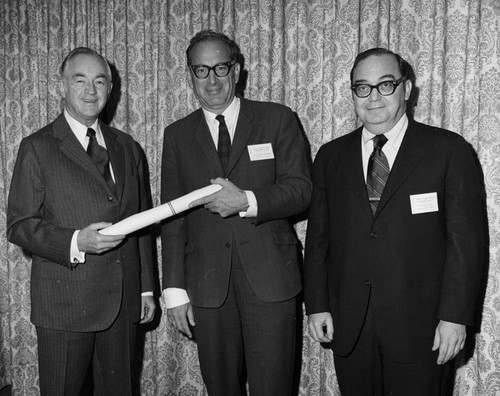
<point>220,69</point>
<point>385,88</point>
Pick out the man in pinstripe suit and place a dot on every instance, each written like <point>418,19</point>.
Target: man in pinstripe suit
<point>88,291</point>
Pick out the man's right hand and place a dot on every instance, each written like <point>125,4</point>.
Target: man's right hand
<point>321,326</point>
<point>182,317</point>
<point>91,241</point>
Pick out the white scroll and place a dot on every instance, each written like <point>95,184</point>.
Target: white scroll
<point>151,216</point>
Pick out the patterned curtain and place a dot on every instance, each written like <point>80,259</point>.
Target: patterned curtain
<point>296,52</point>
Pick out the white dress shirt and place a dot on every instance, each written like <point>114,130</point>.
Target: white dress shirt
<point>391,147</point>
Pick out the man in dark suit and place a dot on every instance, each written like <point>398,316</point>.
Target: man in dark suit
<point>230,267</point>
<point>85,287</point>
<point>395,241</point>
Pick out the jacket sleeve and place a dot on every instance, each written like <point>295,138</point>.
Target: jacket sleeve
<point>316,248</point>
<point>145,240</point>
<point>291,192</point>
<point>26,221</point>
<point>465,210</point>
<point>173,233</point>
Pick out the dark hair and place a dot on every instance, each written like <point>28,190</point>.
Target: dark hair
<point>405,69</point>
<point>83,51</point>
<point>210,35</point>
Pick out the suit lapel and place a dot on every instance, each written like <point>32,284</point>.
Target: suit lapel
<point>72,148</point>
<point>116,157</point>
<point>241,135</point>
<point>204,139</point>
<point>410,153</point>
<point>352,162</point>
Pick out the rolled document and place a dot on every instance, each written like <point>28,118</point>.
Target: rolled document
<point>151,216</point>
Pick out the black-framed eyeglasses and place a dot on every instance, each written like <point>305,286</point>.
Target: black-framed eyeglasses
<point>384,88</point>
<point>220,69</point>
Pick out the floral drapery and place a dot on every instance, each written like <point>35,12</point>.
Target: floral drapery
<point>296,52</point>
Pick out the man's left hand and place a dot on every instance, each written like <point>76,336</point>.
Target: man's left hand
<point>226,202</point>
<point>148,309</point>
<point>449,339</point>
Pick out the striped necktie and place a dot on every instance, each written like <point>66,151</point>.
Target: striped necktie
<point>378,172</point>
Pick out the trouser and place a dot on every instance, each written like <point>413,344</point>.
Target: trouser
<point>369,370</point>
<point>246,333</point>
<point>64,359</point>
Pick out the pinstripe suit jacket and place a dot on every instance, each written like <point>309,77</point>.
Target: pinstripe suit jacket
<point>55,190</point>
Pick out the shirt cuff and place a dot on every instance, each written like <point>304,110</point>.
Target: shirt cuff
<point>175,297</point>
<point>252,205</point>
<point>76,256</point>
<point>148,293</point>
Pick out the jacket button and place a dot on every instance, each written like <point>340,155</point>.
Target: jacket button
<point>118,261</point>
<point>367,283</point>
<point>110,198</point>
<point>228,245</point>
<point>374,235</point>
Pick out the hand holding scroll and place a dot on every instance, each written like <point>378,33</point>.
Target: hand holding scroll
<point>226,202</point>
<point>151,216</point>
<point>92,240</point>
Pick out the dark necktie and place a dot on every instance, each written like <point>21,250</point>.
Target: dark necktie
<point>99,157</point>
<point>378,171</point>
<point>224,144</point>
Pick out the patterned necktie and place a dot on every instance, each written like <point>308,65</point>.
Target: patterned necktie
<point>224,144</point>
<point>99,157</point>
<point>378,172</point>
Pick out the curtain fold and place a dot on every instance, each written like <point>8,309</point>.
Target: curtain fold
<point>298,53</point>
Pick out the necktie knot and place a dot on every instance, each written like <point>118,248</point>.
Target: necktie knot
<point>90,133</point>
<point>99,157</point>
<point>379,141</point>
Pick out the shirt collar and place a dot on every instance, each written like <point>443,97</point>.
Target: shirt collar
<point>230,113</point>
<point>394,135</point>
<point>78,128</point>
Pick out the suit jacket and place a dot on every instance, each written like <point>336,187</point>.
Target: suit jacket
<point>55,190</point>
<point>197,245</point>
<point>413,269</point>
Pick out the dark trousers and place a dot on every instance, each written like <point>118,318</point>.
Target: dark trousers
<point>246,332</point>
<point>64,359</point>
<point>369,371</point>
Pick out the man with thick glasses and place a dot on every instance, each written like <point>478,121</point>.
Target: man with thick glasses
<point>395,241</point>
<point>220,69</point>
<point>230,269</point>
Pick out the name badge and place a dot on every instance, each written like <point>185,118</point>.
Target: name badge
<point>259,152</point>
<point>424,203</point>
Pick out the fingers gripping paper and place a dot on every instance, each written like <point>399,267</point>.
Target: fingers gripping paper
<point>151,216</point>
